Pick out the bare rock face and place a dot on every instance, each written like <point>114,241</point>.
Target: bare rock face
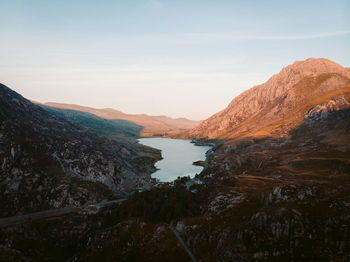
<point>321,111</point>
<point>278,105</point>
<point>49,162</point>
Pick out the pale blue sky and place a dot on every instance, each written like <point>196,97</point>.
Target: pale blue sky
<point>178,58</point>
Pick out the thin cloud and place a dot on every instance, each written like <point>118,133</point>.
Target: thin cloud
<point>235,36</point>
<point>156,4</point>
<point>199,38</point>
<point>305,37</point>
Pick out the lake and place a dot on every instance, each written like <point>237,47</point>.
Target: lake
<point>178,156</point>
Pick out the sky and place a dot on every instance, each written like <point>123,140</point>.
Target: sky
<point>157,57</point>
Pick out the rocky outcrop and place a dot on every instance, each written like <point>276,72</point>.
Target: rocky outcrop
<point>278,105</point>
<point>49,162</point>
<point>322,111</point>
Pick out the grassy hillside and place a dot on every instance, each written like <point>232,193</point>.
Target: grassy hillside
<point>109,127</point>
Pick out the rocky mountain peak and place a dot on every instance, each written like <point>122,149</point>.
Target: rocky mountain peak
<point>284,97</point>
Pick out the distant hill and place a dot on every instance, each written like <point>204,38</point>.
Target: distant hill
<point>152,125</point>
<point>282,103</point>
<point>181,123</point>
<point>109,127</point>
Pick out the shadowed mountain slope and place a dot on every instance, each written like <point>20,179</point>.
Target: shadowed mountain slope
<point>281,103</point>
<point>108,127</point>
<point>49,162</point>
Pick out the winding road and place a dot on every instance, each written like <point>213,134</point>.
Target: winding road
<point>177,234</point>
<point>8,221</point>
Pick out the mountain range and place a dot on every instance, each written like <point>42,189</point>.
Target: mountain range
<point>151,125</point>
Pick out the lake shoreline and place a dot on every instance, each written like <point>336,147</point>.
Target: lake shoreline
<point>178,158</point>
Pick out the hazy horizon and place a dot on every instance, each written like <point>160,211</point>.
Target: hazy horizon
<point>179,59</point>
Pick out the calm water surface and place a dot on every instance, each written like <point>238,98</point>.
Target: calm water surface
<point>178,156</point>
